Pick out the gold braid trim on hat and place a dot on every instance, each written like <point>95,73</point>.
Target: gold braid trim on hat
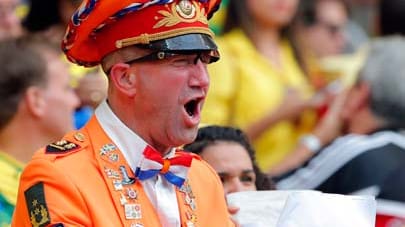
<point>147,38</point>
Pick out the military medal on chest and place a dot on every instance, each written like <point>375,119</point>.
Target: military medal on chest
<point>128,196</point>
<point>189,200</point>
<point>133,211</point>
<point>111,173</point>
<point>117,185</point>
<point>126,180</point>
<point>123,183</point>
<point>132,208</point>
<point>189,197</point>
<point>106,148</point>
<point>131,193</point>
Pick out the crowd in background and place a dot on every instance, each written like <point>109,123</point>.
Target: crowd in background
<point>291,77</point>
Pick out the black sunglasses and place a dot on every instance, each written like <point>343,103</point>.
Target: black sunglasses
<point>206,57</point>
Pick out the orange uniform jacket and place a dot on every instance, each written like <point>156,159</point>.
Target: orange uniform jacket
<point>79,182</point>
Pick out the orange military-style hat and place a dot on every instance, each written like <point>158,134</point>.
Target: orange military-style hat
<point>100,27</point>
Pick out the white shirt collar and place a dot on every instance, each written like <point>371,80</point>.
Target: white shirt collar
<point>128,142</point>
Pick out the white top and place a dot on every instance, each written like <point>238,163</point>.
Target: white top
<point>160,192</point>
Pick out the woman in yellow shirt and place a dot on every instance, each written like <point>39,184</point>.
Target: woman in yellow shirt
<point>258,85</point>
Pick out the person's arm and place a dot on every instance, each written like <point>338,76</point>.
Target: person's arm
<point>326,131</point>
<point>300,155</point>
<point>291,108</point>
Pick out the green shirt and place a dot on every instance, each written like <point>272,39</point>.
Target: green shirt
<point>10,171</point>
<point>6,212</point>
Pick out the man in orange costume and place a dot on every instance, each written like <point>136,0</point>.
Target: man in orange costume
<point>122,168</point>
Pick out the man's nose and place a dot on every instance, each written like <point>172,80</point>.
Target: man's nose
<point>199,77</point>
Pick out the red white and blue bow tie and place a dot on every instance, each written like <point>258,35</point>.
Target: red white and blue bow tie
<point>174,169</point>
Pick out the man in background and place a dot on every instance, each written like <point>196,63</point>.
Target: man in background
<point>37,108</point>
<point>10,23</point>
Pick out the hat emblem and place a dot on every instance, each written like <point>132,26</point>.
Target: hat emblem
<point>183,12</point>
<point>186,9</point>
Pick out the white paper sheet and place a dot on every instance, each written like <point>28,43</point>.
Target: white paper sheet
<point>302,209</point>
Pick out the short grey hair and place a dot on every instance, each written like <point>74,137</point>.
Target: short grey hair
<point>122,55</point>
<point>384,71</point>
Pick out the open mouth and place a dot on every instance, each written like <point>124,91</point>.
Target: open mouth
<point>192,107</point>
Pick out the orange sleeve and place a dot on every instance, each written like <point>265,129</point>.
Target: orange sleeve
<point>212,208</point>
<point>221,199</point>
<point>46,196</point>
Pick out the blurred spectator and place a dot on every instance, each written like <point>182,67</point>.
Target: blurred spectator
<point>372,149</point>
<point>389,11</point>
<point>229,152</point>
<point>50,17</point>
<point>319,32</point>
<point>320,26</point>
<point>258,74</point>
<point>37,105</point>
<point>9,21</point>
<point>91,89</point>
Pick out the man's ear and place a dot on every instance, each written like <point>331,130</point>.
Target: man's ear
<point>123,79</point>
<point>35,101</point>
